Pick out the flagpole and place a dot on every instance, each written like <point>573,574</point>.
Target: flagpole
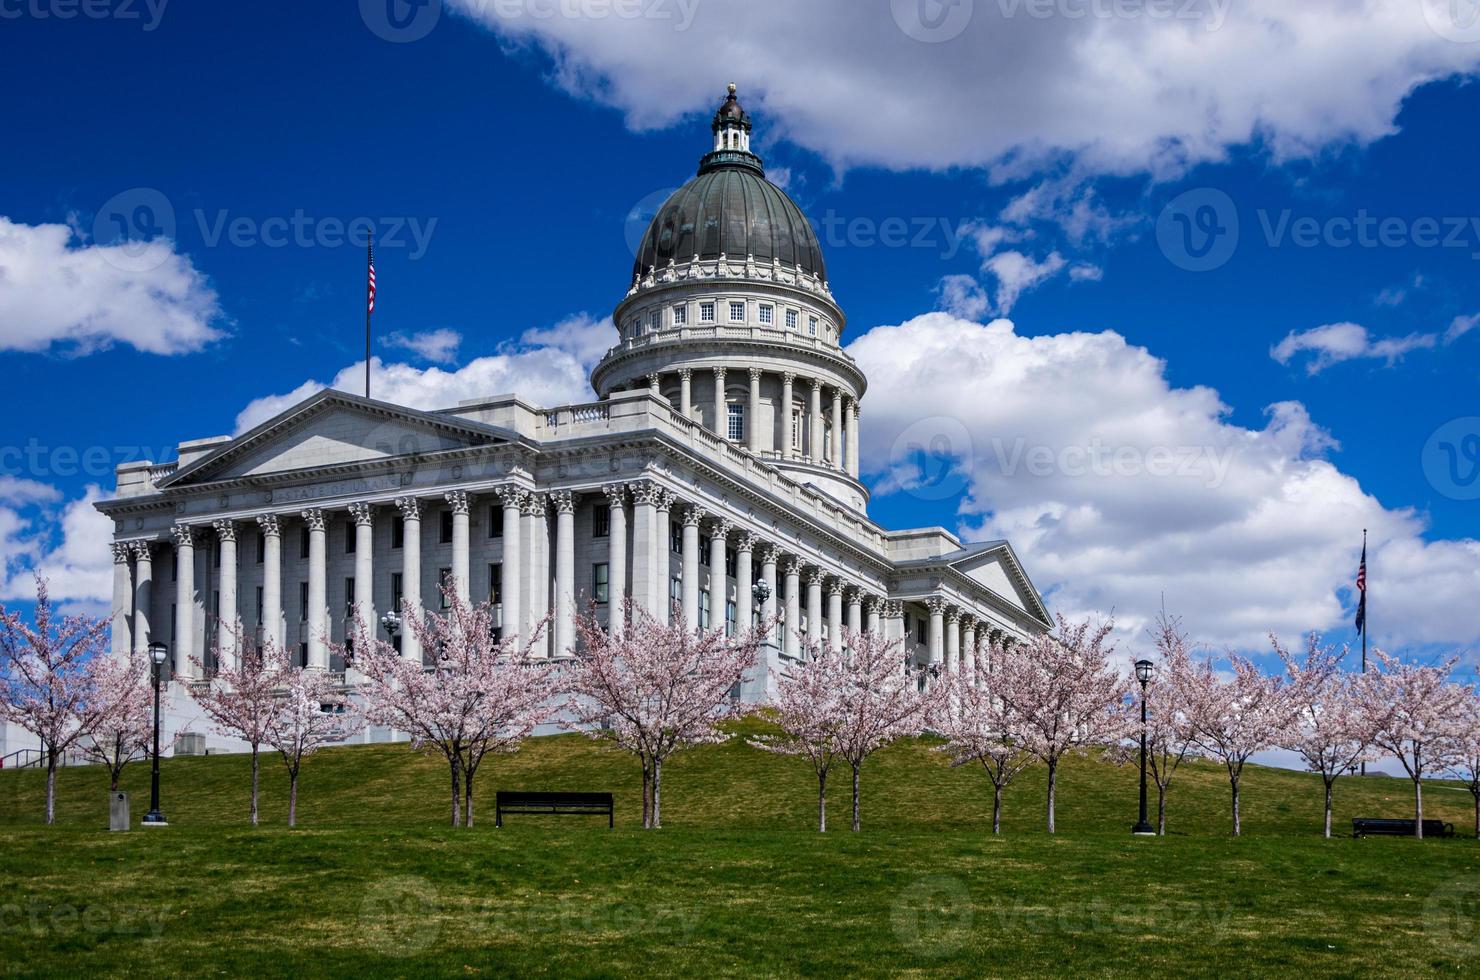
<point>1364,617</point>
<point>369,308</point>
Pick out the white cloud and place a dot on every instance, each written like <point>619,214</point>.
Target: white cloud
<point>1128,93</point>
<point>1338,342</point>
<point>69,548</point>
<point>438,346</point>
<point>582,336</point>
<point>1017,273</point>
<point>58,292</point>
<point>1116,487</point>
<point>1460,326</point>
<point>964,297</point>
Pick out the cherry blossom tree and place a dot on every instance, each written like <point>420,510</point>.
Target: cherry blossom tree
<point>1466,763</point>
<point>1065,693</point>
<point>1232,719</point>
<point>241,699</point>
<point>480,696</point>
<point>311,713</point>
<point>1416,715</point>
<point>656,689</point>
<point>980,725</point>
<point>880,703</point>
<point>1328,728</point>
<point>1169,735</point>
<point>48,681</point>
<point>808,710</point>
<point>124,695</point>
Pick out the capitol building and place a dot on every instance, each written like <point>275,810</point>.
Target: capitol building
<point>715,470</point>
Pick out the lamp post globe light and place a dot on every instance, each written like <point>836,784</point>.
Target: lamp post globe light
<point>392,624</point>
<point>159,654</point>
<point>1143,827</point>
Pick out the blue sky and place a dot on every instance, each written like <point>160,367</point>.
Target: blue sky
<point>1034,168</point>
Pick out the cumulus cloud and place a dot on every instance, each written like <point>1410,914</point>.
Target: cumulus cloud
<point>964,297</point>
<point>1017,273</point>
<point>1335,343</point>
<point>1117,487</point>
<point>437,346</point>
<point>66,546</point>
<point>1460,326</point>
<point>582,336</point>
<point>57,292</point>
<point>1127,92</point>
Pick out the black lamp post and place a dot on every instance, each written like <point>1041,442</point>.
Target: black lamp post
<point>1143,674</point>
<point>159,654</point>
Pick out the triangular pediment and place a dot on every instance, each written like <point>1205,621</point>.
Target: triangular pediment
<point>333,429</point>
<point>997,569</point>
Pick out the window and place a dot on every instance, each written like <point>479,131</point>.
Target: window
<point>731,561</point>
<point>796,428</point>
<point>737,423</point>
<point>216,552</point>
<point>920,626</point>
<point>398,533</point>
<point>812,326</point>
<point>395,592</point>
<point>657,321</point>
<point>495,584</point>
<point>704,610</point>
<point>680,315</point>
<point>706,312</point>
<point>675,538</point>
<point>826,439</point>
<point>216,605</point>
<point>675,589</point>
<point>261,548</point>
<point>791,319</point>
<point>601,522</point>
<point>349,539</point>
<point>349,598</point>
<point>259,605</point>
<point>495,521</point>
<point>444,586</point>
<point>729,619</point>
<point>174,624</point>
<point>737,312</point>
<point>446,527</point>
<point>703,547</point>
<point>768,315</point>
<point>302,544</point>
<point>302,602</point>
<point>302,655</point>
<point>601,582</point>
<point>175,566</point>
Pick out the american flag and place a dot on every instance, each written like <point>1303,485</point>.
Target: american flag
<point>1362,588</point>
<point>371,307</point>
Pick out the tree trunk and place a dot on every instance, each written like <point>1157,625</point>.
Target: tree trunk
<point>647,794</point>
<point>114,775</point>
<point>1476,794</point>
<point>293,798</point>
<point>1053,785</point>
<point>856,825</point>
<point>1328,808</point>
<point>1418,808</point>
<point>468,772</point>
<point>822,802</point>
<point>256,768</point>
<point>657,793</point>
<point>51,788</point>
<point>1161,811</point>
<point>996,808</point>
<point>456,765</point>
<point>1237,825</point>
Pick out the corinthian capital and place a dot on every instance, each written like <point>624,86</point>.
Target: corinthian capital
<point>314,518</point>
<point>410,508</point>
<point>362,513</point>
<point>184,538</point>
<point>458,501</point>
<point>269,525</point>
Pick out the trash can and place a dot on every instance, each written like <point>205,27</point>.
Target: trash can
<point>117,811</point>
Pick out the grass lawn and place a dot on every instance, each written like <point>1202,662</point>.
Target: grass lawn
<point>737,882</point>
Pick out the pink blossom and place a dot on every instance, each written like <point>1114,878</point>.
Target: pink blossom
<point>124,694</point>
<point>241,700</point>
<point>311,713</point>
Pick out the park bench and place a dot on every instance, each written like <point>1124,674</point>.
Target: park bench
<point>583,803</point>
<point>1375,827</point>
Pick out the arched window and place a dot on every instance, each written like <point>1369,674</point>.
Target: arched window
<point>735,424</point>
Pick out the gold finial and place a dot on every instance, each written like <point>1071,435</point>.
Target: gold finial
<point>732,88</point>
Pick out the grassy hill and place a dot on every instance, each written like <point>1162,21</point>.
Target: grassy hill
<point>737,883</point>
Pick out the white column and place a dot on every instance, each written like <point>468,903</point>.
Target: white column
<point>791,629</point>
<point>143,594</point>
<point>719,585</point>
<point>686,393</point>
<point>410,509</point>
<point>616,559</point>
<point>753,417</point>
<point>953,641</point>
<point>769,558</point>
<point>458,500</point>
<point>744,577</point>
<point>644,554</point>
<point>875,607</point>
<point>228,617</point>
<point>788,380</point>
<point>814,606</point>
<point>512,499</point>
<point>968,649</point>
<point>272,580</point>
<point>663,557</point>
<point>894,620</point>
<point>184,599</point>
<point>537,561</point>
<point>721,421</point>
<point>935,638</point>
<point>815,423</point>
<point>855,611</point>
<point>318,592</point>
<point>123,601</point>
<point>364,610</point>
<point>837,428</point>
<point>691,518</point>
<point>853,442</point>
<point>565,571</point>
<point>835,615</point>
